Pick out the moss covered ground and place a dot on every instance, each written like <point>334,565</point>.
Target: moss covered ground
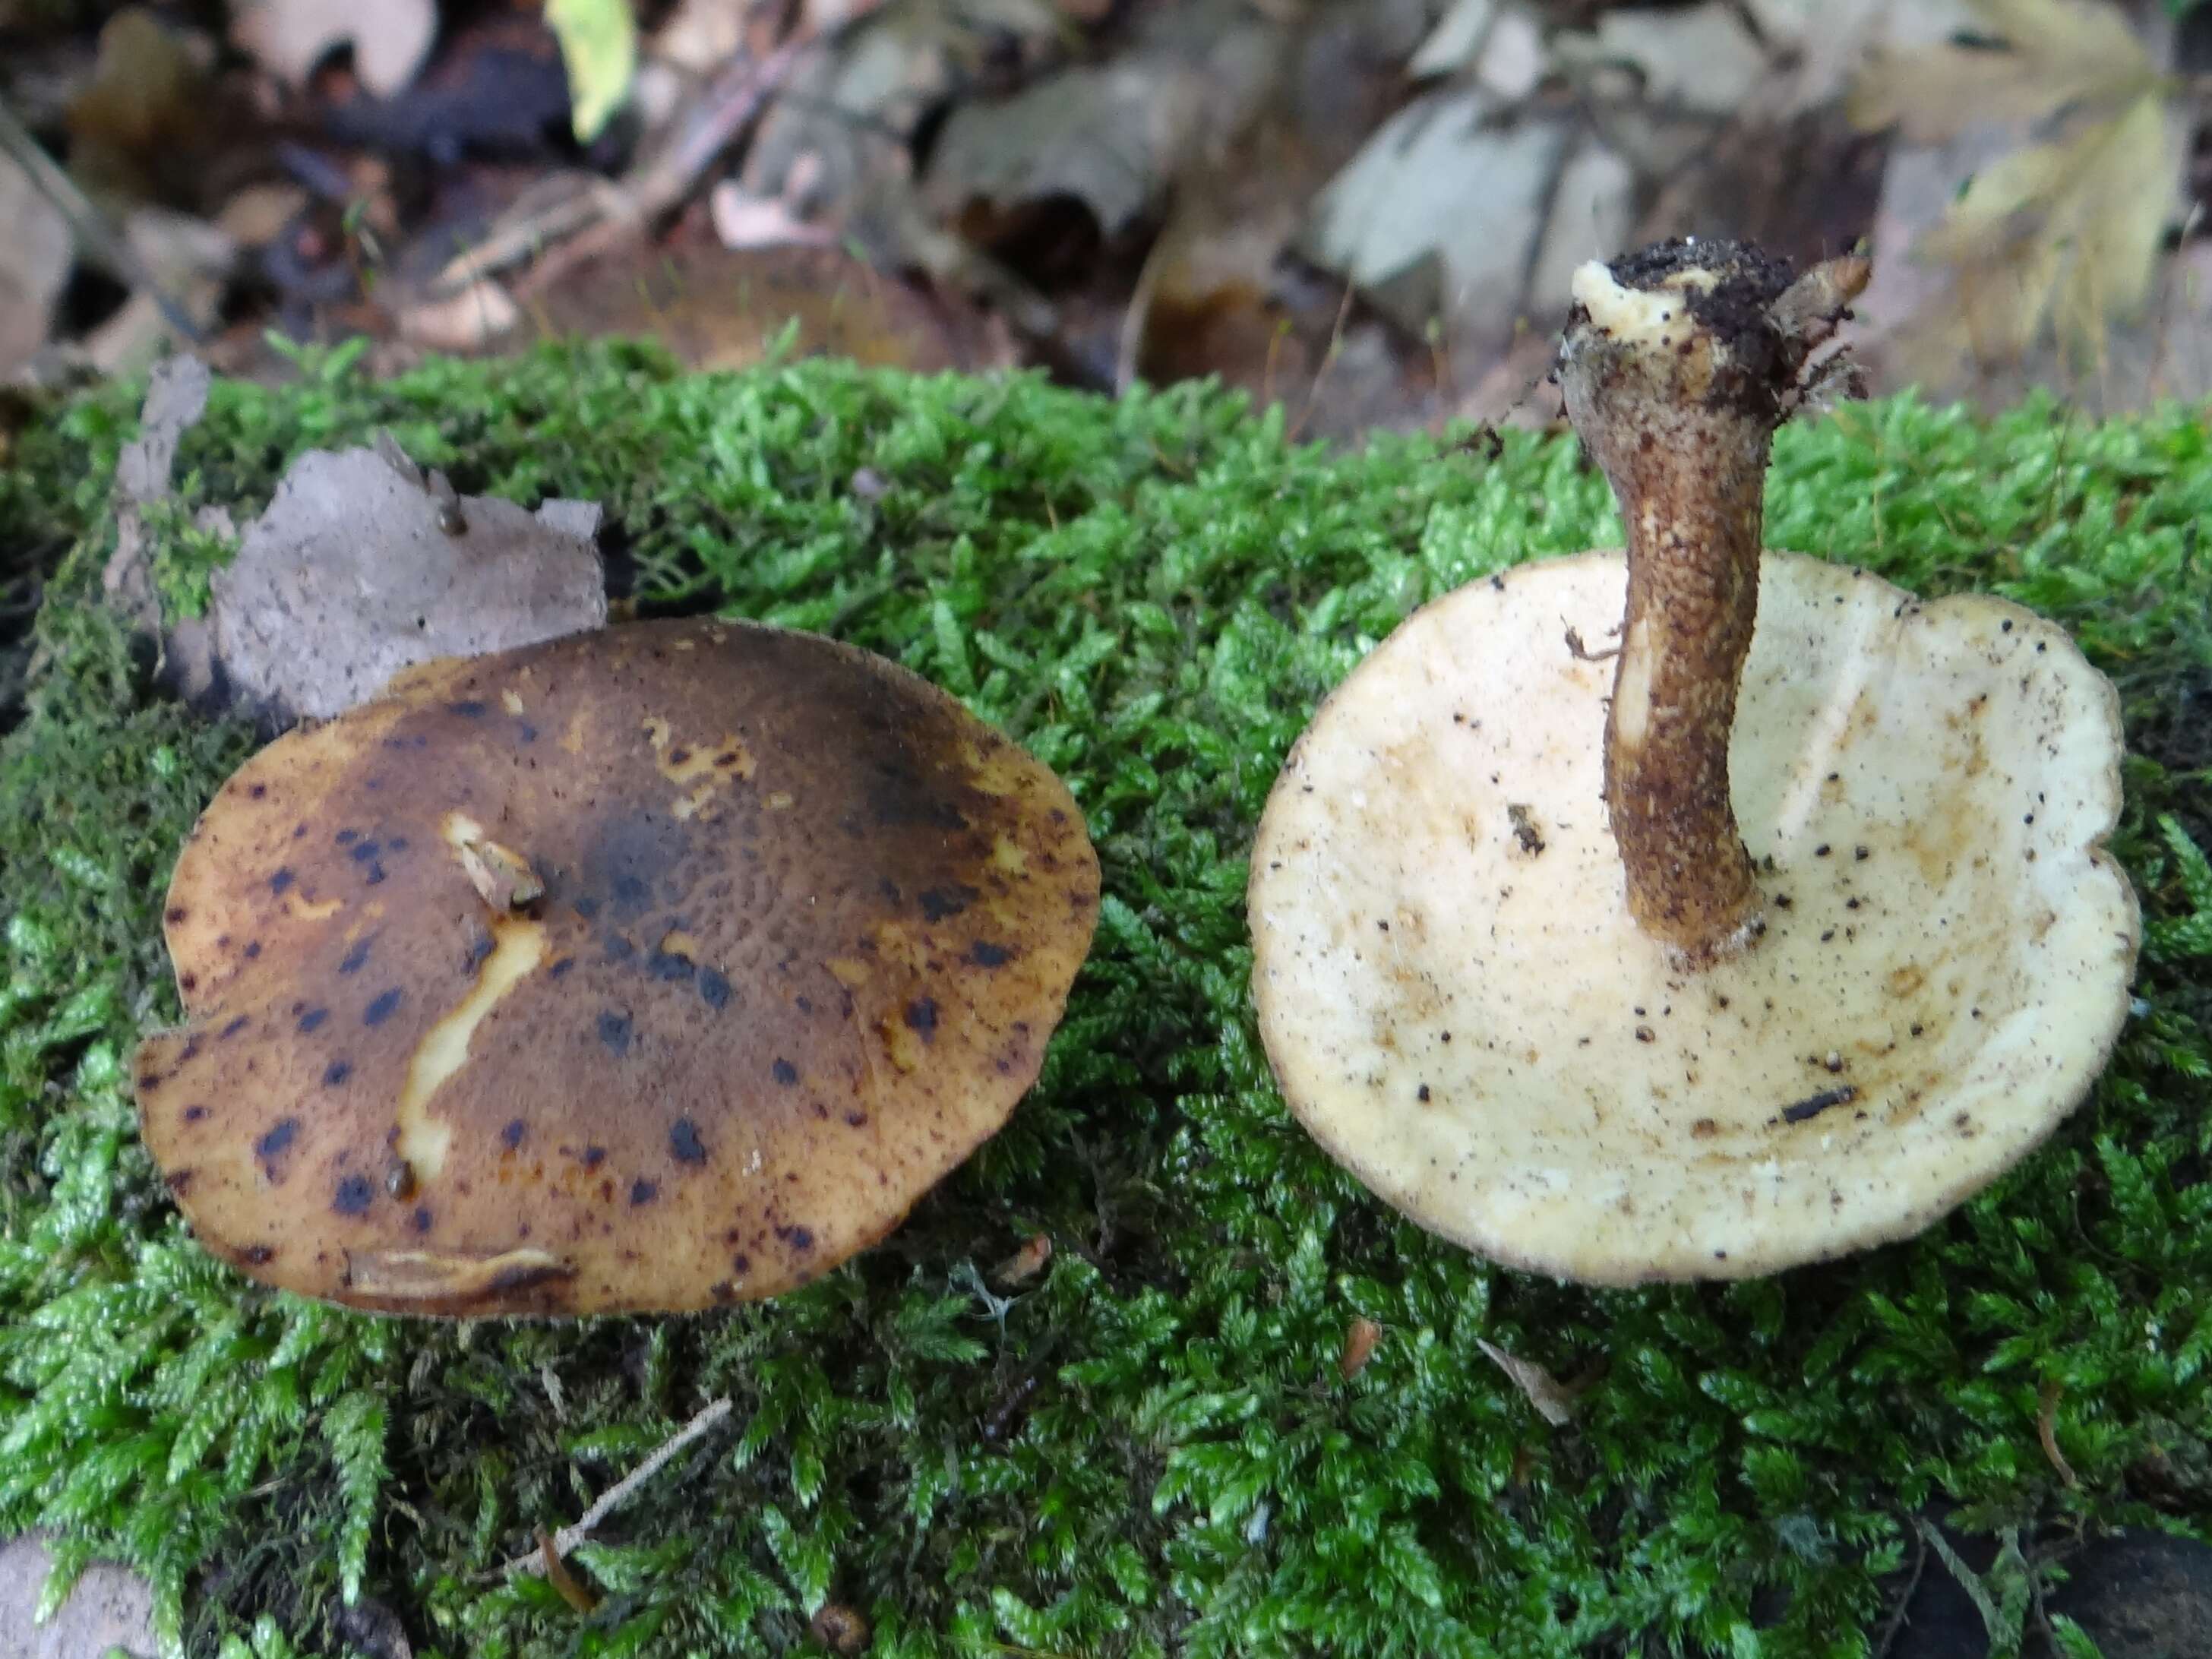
<point>1149,1448</point>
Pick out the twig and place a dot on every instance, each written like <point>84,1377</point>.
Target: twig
<point>605,215</point>
<point>89,223</point>
<point>1905,1601</point>
<point>614,1495</point>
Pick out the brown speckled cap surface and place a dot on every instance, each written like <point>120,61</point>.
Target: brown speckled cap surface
<point>648,968</point>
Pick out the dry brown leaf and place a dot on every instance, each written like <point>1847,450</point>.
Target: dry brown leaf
<point>2055,52</point>
<point>1553,1403</point>
<point>2046,1430</point>
<point>2065,233</point>
<point>1025,1263</point>
<point>389,37</point>
<point>1359,1340</point>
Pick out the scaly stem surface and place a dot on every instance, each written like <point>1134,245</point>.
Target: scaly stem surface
<point>1678,364</point>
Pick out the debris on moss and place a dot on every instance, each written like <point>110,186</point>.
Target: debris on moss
<point>1150,1446</point>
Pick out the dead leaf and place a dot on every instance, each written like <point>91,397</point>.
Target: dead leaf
<point>389,37</point>
<point>1699,60</point>
<point>1359,1340</point>
<point>109,1610</point>
<point>2064,231</point>
<point>743,220</point>
<point>190,261</point>
<point>1439,216</point>
<point>354,574</point>
<point>176,396</point>
<point>139,126</point>
<point>2037,56</point>
<point>1456,38</point>
<point>1025,1263</point>
<point>35,256</point>
<point>715,309</point>
<point>1553,1403</point>
<point>2067,231</point>
<point>598,43</point>
<point>479,315</point>
<point>1112,136</point>
<point>2046,1430</point>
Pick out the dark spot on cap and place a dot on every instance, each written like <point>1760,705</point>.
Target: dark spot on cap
<point>347,837</point>
<point>684,1143</point>
<point>375,875</point>
<point>481,945</point>
<point>619,948</point>
<point>584,906</point>
<point>1422,1093</point>
<point>984,954</point>
<point>665,964</point>
<point>742,1262</point>
<point>336,1072</point>
<point>938,903</point>
<point>194,1114</point>
<point>279,1137</point>
<point>560,968</point>
<point>420,1220</point>
<point>234,1027</point>
<point>352,960</point>
<point>257,1255</point>
<point>857,1119</point>
<point>149,1081</point>
<point>799,1238</point>
<point>469,709</point>
<point>352,1195</point>
<point>175,913</point>
<point>644,1192</point>
<point>921,1016</point>
<point>714,988</point>
<point>366,851</point>
<point>253,949</point>
<point>177,1180</point>
<point>527,731</point>
<point>280,881</point>
<point>594,1156</point>
<point>258,791</point>
<point>383,1008</point>
<point>785,1072</point>
<point>511,1136</point>
<point>314,1017</point>
<point>615,1031</point>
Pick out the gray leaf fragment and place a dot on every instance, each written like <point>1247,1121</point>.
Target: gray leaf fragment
<point>176,396</point>
<point>110,1610</point>
<point>360,568</point>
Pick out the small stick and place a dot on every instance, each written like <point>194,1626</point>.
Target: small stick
<point>89,223</point>
<point>612,211</point>
<point>614,1495</point>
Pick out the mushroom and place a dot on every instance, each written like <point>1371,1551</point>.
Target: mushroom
<point>1820,939</point>
<point>645,969</point>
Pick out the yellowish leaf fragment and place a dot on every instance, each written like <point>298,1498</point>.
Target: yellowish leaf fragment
<point>598,43</point>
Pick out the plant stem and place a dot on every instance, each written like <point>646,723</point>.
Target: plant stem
<point>1678,364</point>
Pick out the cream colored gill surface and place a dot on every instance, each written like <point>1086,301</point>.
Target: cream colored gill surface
<point>1461,1010</point>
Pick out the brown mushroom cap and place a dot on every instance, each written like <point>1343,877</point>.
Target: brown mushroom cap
<point>646,969</point>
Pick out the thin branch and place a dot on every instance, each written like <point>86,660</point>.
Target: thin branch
<point>614,1495</point>
<point>89,224</point>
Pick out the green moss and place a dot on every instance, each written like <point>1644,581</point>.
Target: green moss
<point>1150,1450</point>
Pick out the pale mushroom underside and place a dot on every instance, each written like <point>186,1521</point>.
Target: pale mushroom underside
<point>1460,1010</point>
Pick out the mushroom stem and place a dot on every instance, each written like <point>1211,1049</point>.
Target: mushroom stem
<point>1678,364</point>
